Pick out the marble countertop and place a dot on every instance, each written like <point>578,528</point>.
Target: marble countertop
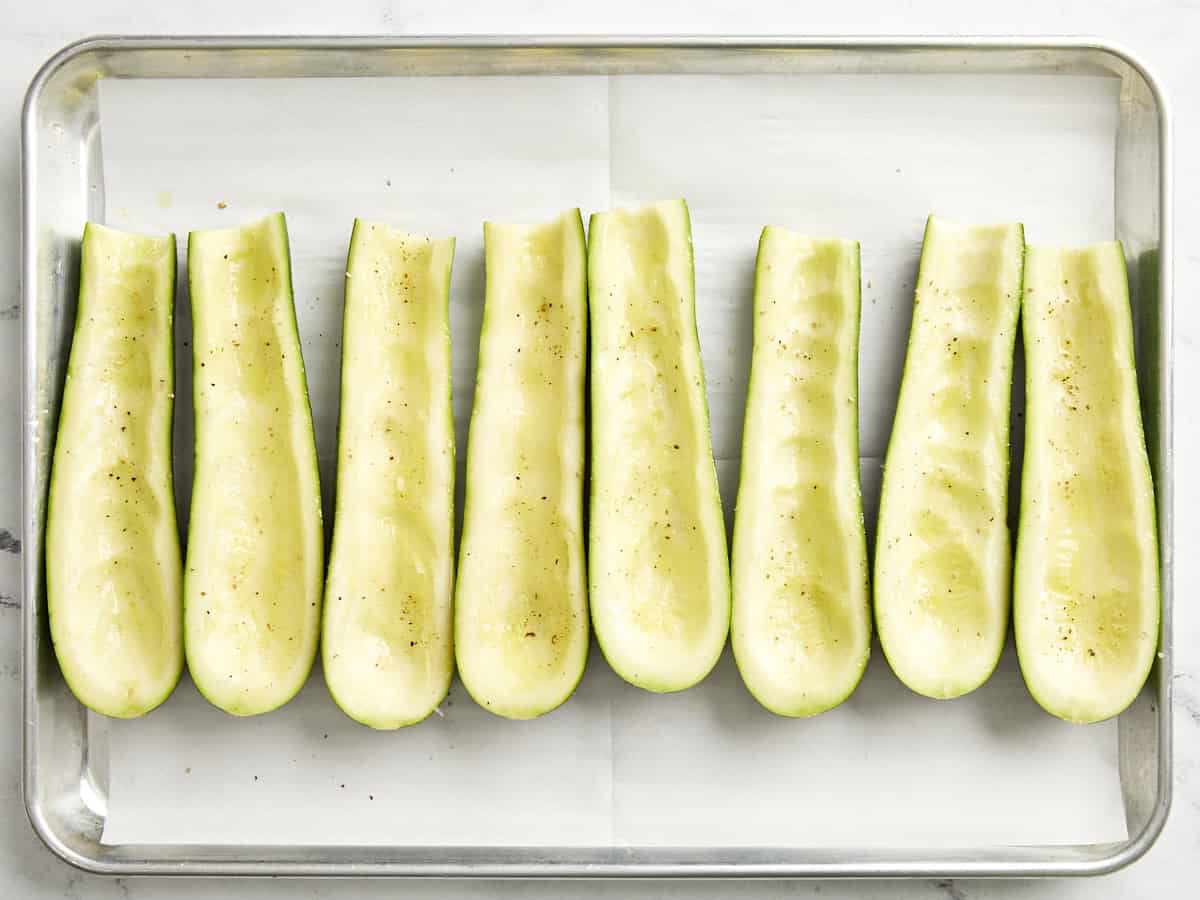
<point>1161,33</point>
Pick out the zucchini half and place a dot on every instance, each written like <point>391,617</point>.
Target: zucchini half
<point>252,581</point>
<point>942,557</point>
<point>658,561</point>
<point>1087,600</point>
<point>113,579</point>
<point>521,611</point>
<point>387,646</point>
<point>801,603</point>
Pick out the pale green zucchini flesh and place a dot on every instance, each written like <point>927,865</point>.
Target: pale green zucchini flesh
<point>386,646</point>
<point>521,613</point>
<point>942,559</point>
<point>801,605</point>
<point>658,563</point>
<point>1086,590</point>
<point>113,577</point>
<point>252,580</point>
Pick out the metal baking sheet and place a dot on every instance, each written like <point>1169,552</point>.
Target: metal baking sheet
<point>858,138</point>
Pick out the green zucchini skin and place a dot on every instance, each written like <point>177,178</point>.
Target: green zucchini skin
<point>1087,597</point>
<point>521,610</point>
<point>943,560</point>
<point>113,576</point>
<point>658,560</point>
<point>254,569</point>
<point>801,601</point>
<point>387,648</point>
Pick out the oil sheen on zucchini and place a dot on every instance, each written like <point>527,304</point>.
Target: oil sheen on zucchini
<point>113,575</point>
<point>387,645</point>
<point>521,612</point>
<point>801,605</point>
<point>1087,587</point>
<point>943,559</point>
<point>658,562</point>
<point>252,581</point>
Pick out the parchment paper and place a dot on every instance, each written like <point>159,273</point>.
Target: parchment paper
<point>858,156</point>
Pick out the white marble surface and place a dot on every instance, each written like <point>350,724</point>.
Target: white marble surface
<point>1160,31</point>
